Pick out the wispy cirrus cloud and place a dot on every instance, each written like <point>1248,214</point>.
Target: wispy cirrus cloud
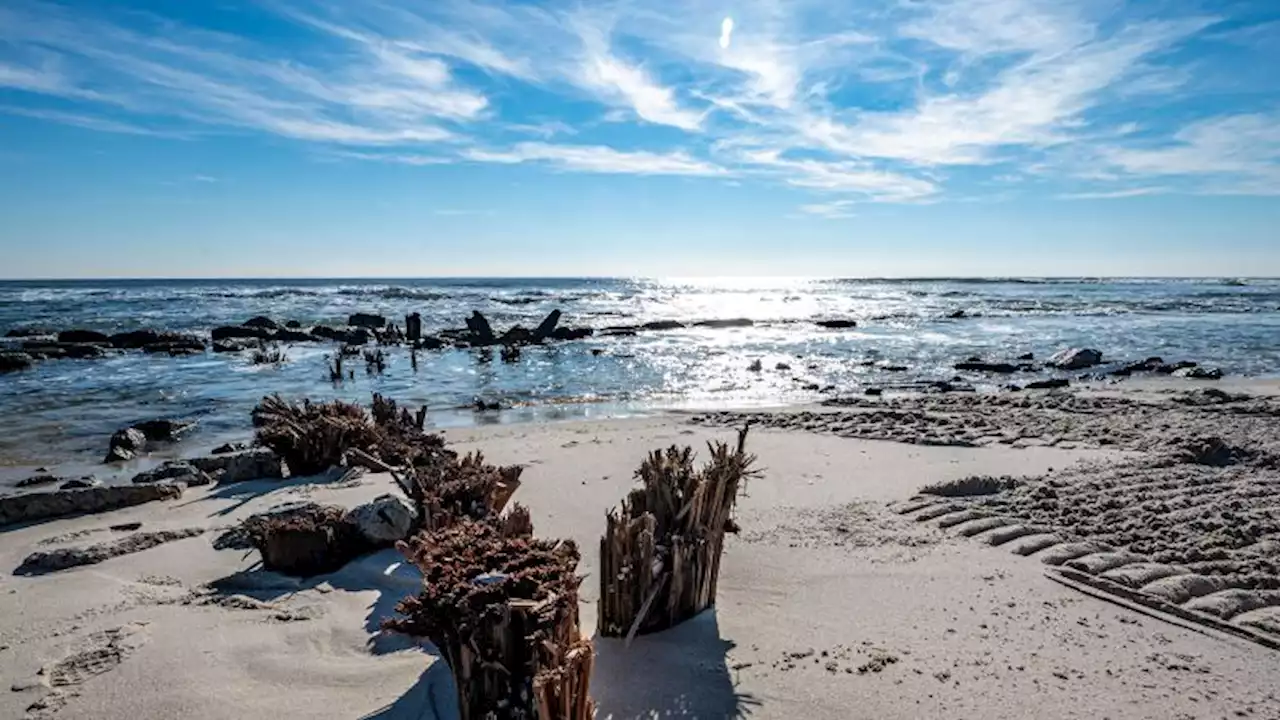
<point>875,102</point>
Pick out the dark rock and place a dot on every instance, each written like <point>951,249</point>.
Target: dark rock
<point>384,520</point>
<point>755,366</point>
<point>39,563</point>
<point>82,336</point>
<point>729,323</point>
<point>125,527</point>
<point>289,335</point>
<point>261,321</point>
<point>58,503</point>
<point>175,345</point>
<point>979,366</point>
<point>58,350</point>
<point>14,361</point>
<point>894,368</point>
<point>176,471</point>
<point>230,448</point>
<point>429,343</point>
<point>597,351</point>
<point>1013,387</point>
<point>812,387</point>
<point>481,405</point>
<point>1075,359</point>
<point>240,332</point>
<point>165,430</point>
<point>564,333</point>
<point>1170,368</point>
<point>37,481</point>
<point>836,324</point>
<point>235,345</point>
<point>957,315</point>
<point>873,391</point>
<point>413,327</point>
<point>782,366</point>
<point>134,339</point>
<point>516,336</point>
<point>663,325</point>
<point>354,336</point>
<point>27,332</point>
<point>125,444</point>
<point>547,327</point>
<point>1027,356</point>
<point>1199,373</point>
<point>80,483</point>
<point>293,324</point>
<point>619,331</point>
<point>1050,384</point>
<point>481,332</point>
<point>510,353</point>
<point>366,320</point>
<point>252,464</point>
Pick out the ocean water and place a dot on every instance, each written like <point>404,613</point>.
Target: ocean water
<point>65,410</point>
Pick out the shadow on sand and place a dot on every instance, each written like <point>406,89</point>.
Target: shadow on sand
<point>679,672</point>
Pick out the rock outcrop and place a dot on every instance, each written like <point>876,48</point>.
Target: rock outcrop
<point>59,503</point>
<point>479,330</point>
<point>82,336</point>
<point>241,332</point>
<point>261,321</point>
<point>242,465</point>
<point>14,361</point>
<point>1075,359</point>
<point>366,320</point>
<point>125,445</point>
<point>174,471</point>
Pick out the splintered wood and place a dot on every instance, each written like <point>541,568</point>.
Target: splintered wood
<point>660,554</point>
<point>502,608</point>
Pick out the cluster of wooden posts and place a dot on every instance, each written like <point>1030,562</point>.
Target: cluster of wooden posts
<point>500,604</point>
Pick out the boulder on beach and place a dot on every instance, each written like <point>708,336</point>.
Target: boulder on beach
<point>836,324</point>
<point>366,320</point>
<point>164,429</point>
<point>1075,358</point>
<point>261,321</point>
<point>1199,373</point>
<point>241,465</point>
<point>384,520</point>
<point>58,503</point>
<point>82,336</point>
<point>174,471</point>
<point>125,444</point>
<point>14,361</point>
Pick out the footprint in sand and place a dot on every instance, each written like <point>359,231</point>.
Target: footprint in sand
<point>100,653</point>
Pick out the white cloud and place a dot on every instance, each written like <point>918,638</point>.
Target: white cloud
<point>1113,194</point>
<point>726,33</point>
<point>621,82</point>
<point>834,210</point>
<point>599,159</point>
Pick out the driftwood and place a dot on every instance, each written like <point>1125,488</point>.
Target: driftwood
<point>309,540</point>
<point>502,608</point>
<point>660,554</point>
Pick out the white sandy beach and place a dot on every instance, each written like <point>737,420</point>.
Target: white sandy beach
<point>830,605</point>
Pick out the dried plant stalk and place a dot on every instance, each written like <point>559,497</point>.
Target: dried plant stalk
<point>660,554</point>
<point>502,608</point>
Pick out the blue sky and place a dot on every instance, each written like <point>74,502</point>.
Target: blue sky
<point>666,137</point>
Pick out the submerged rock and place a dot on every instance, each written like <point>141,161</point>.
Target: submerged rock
<point>37,481</point>
<point>27,332</point>
<point>56,350</point>
<point>479,329</point>
<point>979,366</point>
<point>1075,358</point>
<point>82,336</point>
<point>58,503</point>
<point>547,327</point>
<point>836,324</point>
<point>80,483</point>
<point>727,323</point>
<point>366,320</point>
<point>663,325</point>
<point>14,361</point>
<point>240,332</point>
<point>165,430</point>
<point>235,345</point>
<point>565,333</point>
<point>261,321</point>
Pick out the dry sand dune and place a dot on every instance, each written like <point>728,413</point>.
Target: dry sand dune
<point>832,604</point>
